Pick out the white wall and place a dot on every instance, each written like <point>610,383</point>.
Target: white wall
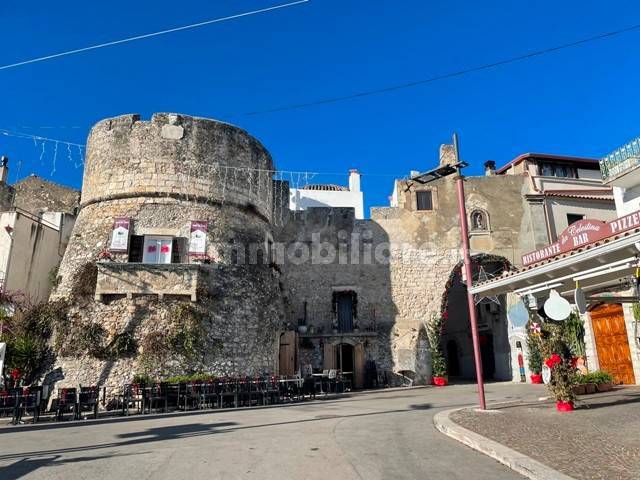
<point>34,248</point>
<point>301,199</point>
<point>627,200</point>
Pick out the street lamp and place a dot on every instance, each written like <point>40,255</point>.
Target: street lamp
<point>428,177</point>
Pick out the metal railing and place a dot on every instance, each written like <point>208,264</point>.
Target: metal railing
<point>620,160</point>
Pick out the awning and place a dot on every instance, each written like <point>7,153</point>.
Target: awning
<point>597,268</point>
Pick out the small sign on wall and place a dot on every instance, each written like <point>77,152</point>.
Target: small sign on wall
<point>198,238</point>
<point>120,235</point>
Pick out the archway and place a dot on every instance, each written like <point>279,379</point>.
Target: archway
<point>455,337</point>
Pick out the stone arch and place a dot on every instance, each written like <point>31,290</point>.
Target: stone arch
<point>491,314</point>
<point>479,220</point>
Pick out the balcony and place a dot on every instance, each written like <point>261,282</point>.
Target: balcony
<point>147,279</point>
<point>620,168</point>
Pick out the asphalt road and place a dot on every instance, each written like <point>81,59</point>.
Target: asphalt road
<point>386,434</point>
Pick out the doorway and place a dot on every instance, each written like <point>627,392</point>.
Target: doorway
<point>344,358</point>
<point>612,343</point>
<point>452,358</point>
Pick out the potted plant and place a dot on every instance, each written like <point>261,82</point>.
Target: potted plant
<point>438,364</point>
<point>603,381</point>
<point>105,256</point>
<point>203,259</point>
<point>534,358</point>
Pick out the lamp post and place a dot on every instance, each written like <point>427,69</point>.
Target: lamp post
<point>428,177</point>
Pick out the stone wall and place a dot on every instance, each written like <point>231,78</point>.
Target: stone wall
<point>162,175</point>
<point>37,195</point>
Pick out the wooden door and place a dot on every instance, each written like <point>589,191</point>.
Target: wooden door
<point>329,356</point>
<point>288,353</point>
<point>359,366</point>
<point>612,342</point>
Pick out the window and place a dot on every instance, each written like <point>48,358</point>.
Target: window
<point>158,249</point>
<point>558,170</point>
<point>424,200</point>
<point>573,218</point>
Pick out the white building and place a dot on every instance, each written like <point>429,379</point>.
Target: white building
<point>328,195</point>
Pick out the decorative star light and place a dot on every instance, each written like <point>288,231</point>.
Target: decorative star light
<point>483,277</point>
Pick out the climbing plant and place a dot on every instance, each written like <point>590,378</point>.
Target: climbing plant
<point>434,332</point>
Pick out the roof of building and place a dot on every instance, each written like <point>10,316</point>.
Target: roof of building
<point>326,186</point>
<point>547,156</point>
<point>593,194</point>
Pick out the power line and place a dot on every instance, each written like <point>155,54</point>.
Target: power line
<point>153,34</point>
<point>9,133</point>
<point>445,76</point>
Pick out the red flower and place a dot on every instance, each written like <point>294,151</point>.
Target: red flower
<point>445,314</point>
<point>574,362</point>
<point>553,360</point>
<point>15,373</point>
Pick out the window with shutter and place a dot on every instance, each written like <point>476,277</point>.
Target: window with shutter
<point>424,200</point>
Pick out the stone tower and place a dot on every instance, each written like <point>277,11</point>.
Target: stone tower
<point>153,305</point>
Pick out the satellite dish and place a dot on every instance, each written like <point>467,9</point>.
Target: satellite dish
<point>556,307</point>
<point>580,300</point>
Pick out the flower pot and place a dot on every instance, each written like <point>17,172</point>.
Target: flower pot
<point>604,387</point>
<point>439,381</point>
<point>536,378</point>
<point>564,406</point>
<point>579,389</point>
<point>590,388</point>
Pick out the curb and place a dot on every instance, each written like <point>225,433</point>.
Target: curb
<point>516,461</point>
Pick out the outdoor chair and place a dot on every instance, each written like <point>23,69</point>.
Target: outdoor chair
<point>88,399</point>
<point>272,391</point>
<point>173,395</point>
<point>189,396</point>
<point>8,400</point>
<point>332,381</point>
<point>133,396</point>
<point>157,396</point>
<point>67,402</point>
<point>228,389</point>
<point>28,401</point>
<point>208,397</point>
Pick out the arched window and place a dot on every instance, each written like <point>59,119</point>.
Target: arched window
<point>479,220</point>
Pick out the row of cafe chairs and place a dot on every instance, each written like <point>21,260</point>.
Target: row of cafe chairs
<point>21,401</point>
<point>76,401</point>
<point>215,393</point>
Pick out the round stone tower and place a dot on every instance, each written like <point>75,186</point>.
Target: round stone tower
<point>159,300</point>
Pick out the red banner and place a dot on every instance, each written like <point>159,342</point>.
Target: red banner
<point>582,233</point>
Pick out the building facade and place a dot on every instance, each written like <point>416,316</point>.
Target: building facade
<point>36,219</point>
<point>183,229</point>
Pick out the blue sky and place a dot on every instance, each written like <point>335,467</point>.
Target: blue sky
<point>581,101</point>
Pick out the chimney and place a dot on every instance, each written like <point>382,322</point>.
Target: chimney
<point>489,168</point>
<point>447,154</point>
<point>354,180</point>
<point>4,169</point>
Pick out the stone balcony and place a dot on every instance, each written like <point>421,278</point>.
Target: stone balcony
<point>148,279</point>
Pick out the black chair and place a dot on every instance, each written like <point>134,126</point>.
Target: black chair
<point>7,403</point>
<point>133,396</point>
<point>29,401</point>
<point>189,395</point>
<point>88,399</point>
<point>208,396</point>
<point>272,391</point>
<point>157,395</point>
<point>67,402</point>
<point>228,389</point>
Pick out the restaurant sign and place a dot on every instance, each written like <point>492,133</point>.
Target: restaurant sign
<point>582,233</point>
